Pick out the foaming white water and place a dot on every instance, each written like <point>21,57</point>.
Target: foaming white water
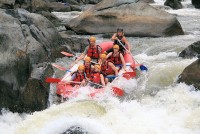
<point>171,111</point>
<point>185,12</point>
<point>8,121</point>
<point>154,103</point>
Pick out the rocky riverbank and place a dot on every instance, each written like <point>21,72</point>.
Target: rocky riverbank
<point>30,42</point>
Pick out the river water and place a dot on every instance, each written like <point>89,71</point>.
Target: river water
<point>154,104</point>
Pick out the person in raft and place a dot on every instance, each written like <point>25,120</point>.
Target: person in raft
<point>93,51</point>
<point>117,58</point>
<point>108,69</point>
<point>97,77</point>
<point>79,76</point>
<point>88,67</point>
<point>120,39</point>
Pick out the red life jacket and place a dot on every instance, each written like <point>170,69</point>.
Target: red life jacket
<point>95,77</point>
<point>88,70</point>
<point>116,60</point>
<point>106,69</point>
<point>93,52</point>
<point>79,77</point>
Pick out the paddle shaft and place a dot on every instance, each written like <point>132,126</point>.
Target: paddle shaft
<point>68,54</point>
<point>129,52</point>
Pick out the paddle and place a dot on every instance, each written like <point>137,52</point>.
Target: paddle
<point>127,75</point>
<point>59,67</point>
<point>117,91</point>
<point>56,80</point>
<point>67,54</point>
<point>142,67</point>
<point>52,80</point>
<point>72,55</point>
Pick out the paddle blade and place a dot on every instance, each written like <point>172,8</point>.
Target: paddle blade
<point>143,68</point>
<point>67,54</point>
<point>129,75</point>
<point>59,67</point>
<point>52,80</point>
<point>117,91</point>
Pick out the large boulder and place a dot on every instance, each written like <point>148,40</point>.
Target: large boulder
<point>25,39</point>
<point>36,93</point>
<point>174,4</point>
<point>191,51</point>
<point>191,74</point>
<point>137,19</point>
<point>196,3</point>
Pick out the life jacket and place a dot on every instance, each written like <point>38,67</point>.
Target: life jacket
<point>88,70</point>
<point>95,77</point>
<point>121,48</point>
<point>106,69</point>
<point>78,77</point>
<point>116,60</point>
<point>93,52</point>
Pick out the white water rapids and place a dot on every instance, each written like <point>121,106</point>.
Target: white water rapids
<point>154,104</point>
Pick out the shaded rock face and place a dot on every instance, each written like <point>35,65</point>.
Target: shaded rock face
<point>26,39</point>
<point>75,130</point>
<point>191,51</point>
<point>90,1</point>
<point>191,74</point>
<point>75,44</point>
<point>7,4</point>
<point>196,3</point>
<point>174,4</point>
<point>36,93</point>
<point>47,5</point>
<point>137,19</point>
<point>51,17</point>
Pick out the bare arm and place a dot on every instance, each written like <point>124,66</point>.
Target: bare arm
<point>113,67</point>
<point>76,61</point>
<point>102,80</point>
<point>123,61</point>
<point>126,42</point>
<point>80,58</point>
<point>109,54</point>
<point>114,37</point>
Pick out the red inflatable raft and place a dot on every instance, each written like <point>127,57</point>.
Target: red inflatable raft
<point>65,90</point>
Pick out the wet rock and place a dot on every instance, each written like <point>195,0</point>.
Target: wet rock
<point>36,93</point>
<point>191,74</point>
<point>75,130</point>
<point>76,44</point>
<point>59,7</point>
<point>71,2</point>
<point>196,3</point>
<point>7,4</point>
<point>25,39</point>
<point>51,17</point>
<point>174,4</point>
<point>191,51</point>
<point>43,5</point>
<point>75,8</point>
<point>137,19</point>
<point>91,1</point>
<point>146,1</point>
